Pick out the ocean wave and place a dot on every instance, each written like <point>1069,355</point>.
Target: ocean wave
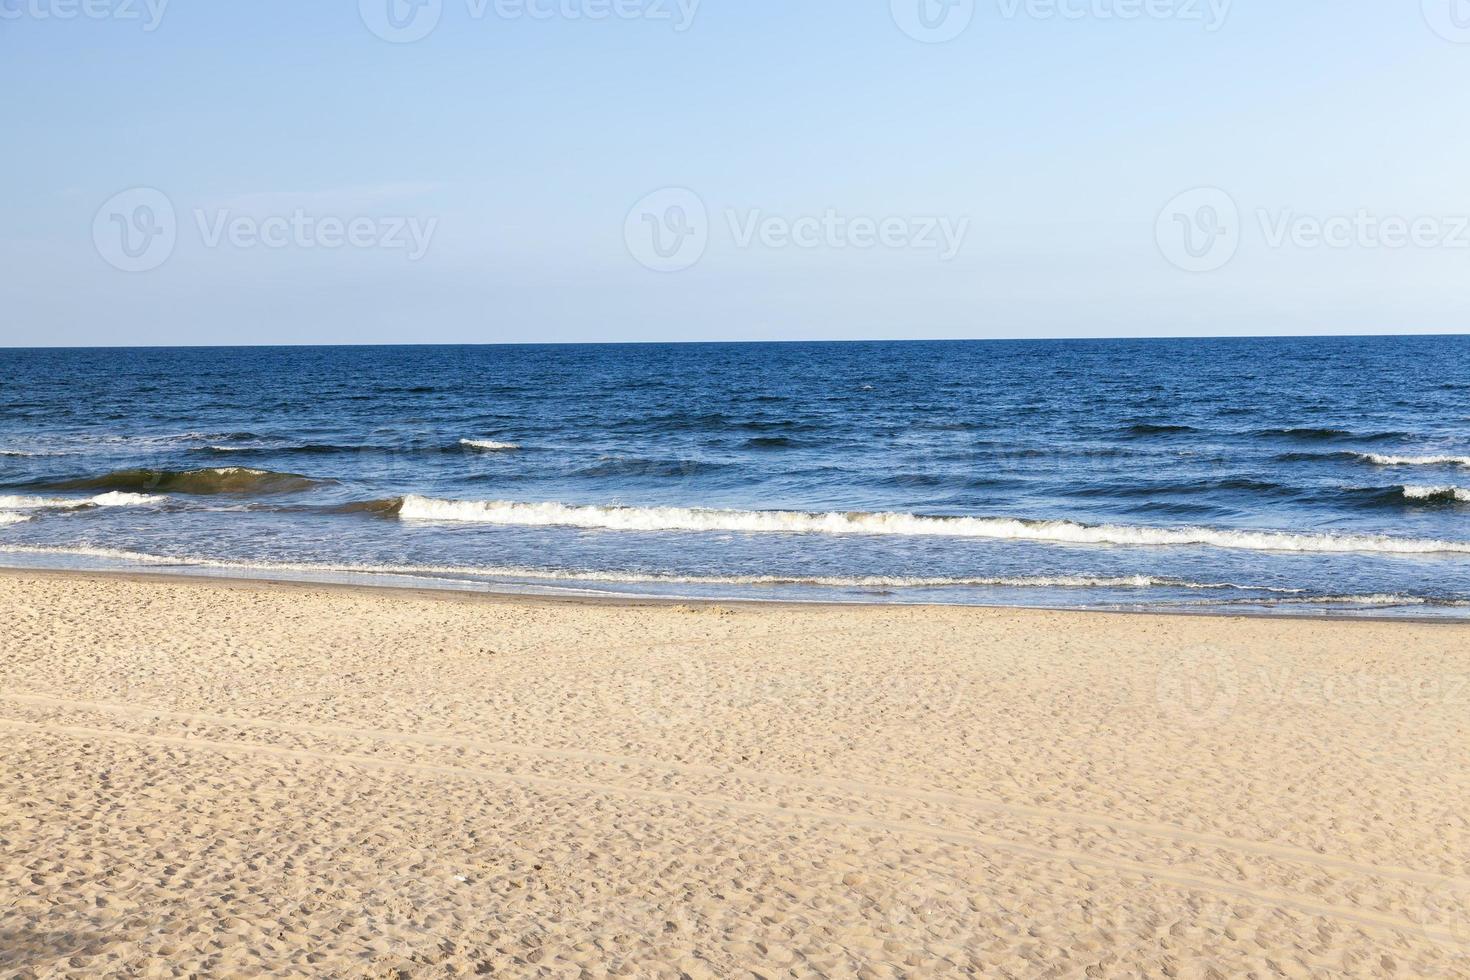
<point>1304,433</point>
<point>379,508</point>
<point>1380,460</point>
<point>511,513</point>
<point>314,449</point>
<point>8,518</point>
<point>1157,429</point>
<point>1437,494</point>
<point>337,449</point>
<point>304,449</point>
<point>669,578</point>
<point>1398,497</point>
<point>1143,488</point>
<point>155,441</point>
<point>1327,434</point>
<point>1308,457</point>
<point>636,467</point>
<point>225,480</point>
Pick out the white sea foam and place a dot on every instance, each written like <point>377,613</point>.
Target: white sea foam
<point>9,518</point>
<point>119,498</point>
<point>417,508</point>
<point>666,578</point>
<point>1372,599</point>
<point>490,446</point>
<point>114,498</point>
<point>1460,494</point>
<point>13,502</point>
<point>1381,460</point>
<point>85,551</point>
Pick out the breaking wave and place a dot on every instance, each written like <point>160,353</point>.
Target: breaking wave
<point>510,513</point>
<point>1398,497</point>
<point>489,446</point>
<point>111,499</point>
<point>7,518</point>
<point>1438,494</point>
<point>1379,460</point>
<point>13,502</point>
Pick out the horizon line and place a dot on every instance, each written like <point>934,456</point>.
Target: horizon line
<point>697,343</point>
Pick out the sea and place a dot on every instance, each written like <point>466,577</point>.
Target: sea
<point>1326,476</point>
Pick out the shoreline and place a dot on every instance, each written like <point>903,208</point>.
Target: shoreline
<point>487,592</point>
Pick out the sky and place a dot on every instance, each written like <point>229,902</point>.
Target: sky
<point>483,171</point>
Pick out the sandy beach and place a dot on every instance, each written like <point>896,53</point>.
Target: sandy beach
<point>235,778</point>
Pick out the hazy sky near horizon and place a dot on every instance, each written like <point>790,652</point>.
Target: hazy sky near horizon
<point>469,171</point>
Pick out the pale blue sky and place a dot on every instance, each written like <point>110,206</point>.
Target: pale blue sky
<point>517,146</point>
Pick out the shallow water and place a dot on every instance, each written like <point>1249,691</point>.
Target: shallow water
<point>1249,474</point>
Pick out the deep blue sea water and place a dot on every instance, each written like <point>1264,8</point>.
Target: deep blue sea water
<point>1250,474</point>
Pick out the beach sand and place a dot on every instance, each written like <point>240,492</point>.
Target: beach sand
<point>236,777</point>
